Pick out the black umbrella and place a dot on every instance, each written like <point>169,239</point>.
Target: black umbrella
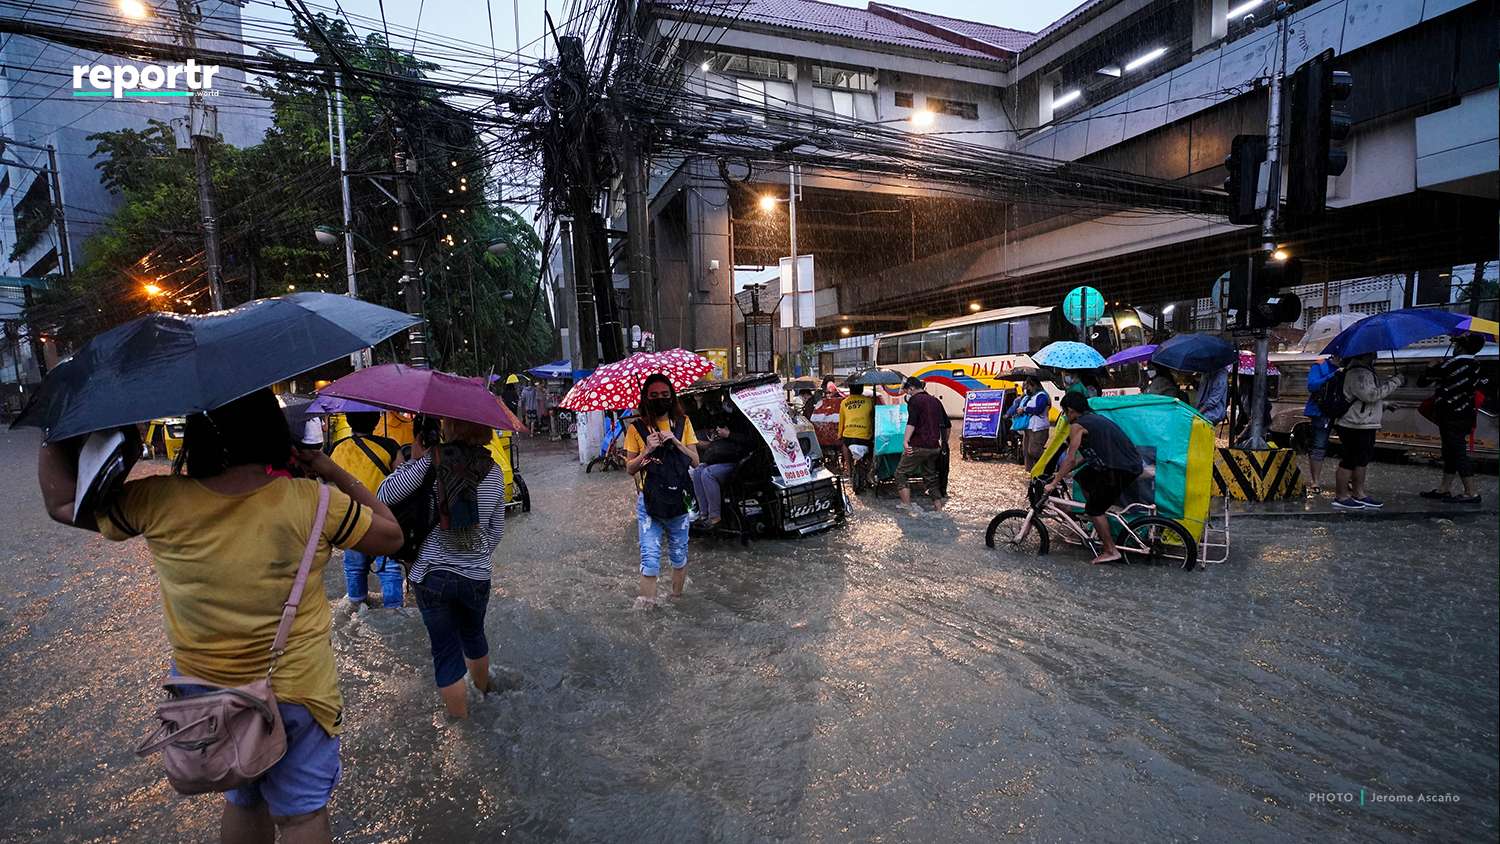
<point>877,378</point>
<point>166,364</point>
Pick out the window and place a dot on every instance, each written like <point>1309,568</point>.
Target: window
<point>993,338</point>
<point>961,342</point>
<point>904,99</point>
<point>911,348</point>
<point>1029,334</point>
<point>762,94</point>
<point>843,104</point>
<point>956,108</point>
<point>731,64</point>
<point>935,345</point>
<point>886,354</point>
<point>837,77</point>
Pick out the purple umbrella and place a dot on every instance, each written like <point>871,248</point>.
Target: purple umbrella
<point>399,387</point>
<point>1134,354</point>
<point>327,405</point>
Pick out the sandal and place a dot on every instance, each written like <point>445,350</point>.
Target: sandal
<point>1100,561</point>
<point>1462,499</point>
<point>1435,495</point>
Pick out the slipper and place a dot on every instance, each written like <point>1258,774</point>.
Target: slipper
<point>1435,494</point>
<point>1461,499</point>
<point>1100,561</point>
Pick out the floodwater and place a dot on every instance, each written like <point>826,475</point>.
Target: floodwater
<point>890,681</point>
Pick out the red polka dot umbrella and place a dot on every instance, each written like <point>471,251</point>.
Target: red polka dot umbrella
<point>617,386</point>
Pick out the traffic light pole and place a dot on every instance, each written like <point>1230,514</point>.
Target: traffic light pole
<point>1258,391</point>
<point>411,275</point>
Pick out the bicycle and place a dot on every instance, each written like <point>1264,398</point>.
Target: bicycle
<point>1140,534</point>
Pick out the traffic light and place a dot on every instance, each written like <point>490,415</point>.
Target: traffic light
<point>1246,154</point>
<point>1317,128</point>
<point>1272,303</point>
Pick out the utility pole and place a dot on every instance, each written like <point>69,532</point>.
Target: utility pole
<point>1258,396</point>
<point>793,293</point>
<point>567,297</point>
<point>59,219</point>
<point>203,124</point>
<point>411,276</point>
<point>637,210</point>
<point>361,358</point>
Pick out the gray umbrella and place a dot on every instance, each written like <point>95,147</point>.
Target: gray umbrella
<point>166,364</point>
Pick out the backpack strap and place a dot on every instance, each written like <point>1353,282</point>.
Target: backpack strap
<point>383,466</point>
<point>289,610</point>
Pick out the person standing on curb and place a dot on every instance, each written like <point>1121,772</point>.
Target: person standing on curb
<point>1456,379</point>
<point>1318,375</point>
<point>921,445</point>
<point>660,451</point>
<point>1357,429</point>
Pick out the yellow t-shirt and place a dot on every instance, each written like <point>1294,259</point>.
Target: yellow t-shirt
<point>226,565</point>
<point>635,445</point>
<point>352,459</point>
<point>857,418</point>
<point>397,426</point>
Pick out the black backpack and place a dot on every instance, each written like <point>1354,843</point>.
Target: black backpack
<point>666,485</point>
<point>417,515</point>
<point>1330,399</point>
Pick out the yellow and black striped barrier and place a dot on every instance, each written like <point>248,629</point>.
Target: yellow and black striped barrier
<point>1257,475</point>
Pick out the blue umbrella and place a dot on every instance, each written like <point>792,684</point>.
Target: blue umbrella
<point>555,369</point>
<point>1394,330</point>
<point>166,364</point>
<point>1068,354</point>
<point>1195,353</point>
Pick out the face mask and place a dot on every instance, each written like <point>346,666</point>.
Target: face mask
<point>1150,373</point>
<point>659,407</point>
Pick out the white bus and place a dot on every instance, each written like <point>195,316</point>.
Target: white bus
<point>978,352</point>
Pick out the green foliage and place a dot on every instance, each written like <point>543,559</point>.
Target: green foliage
<point>272,195</point>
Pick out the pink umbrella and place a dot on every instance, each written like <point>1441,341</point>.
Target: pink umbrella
<point>399,387</point>
<point>617,386</point>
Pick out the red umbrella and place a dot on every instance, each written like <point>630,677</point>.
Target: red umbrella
<point>617,386</point>
<point>399,387</point>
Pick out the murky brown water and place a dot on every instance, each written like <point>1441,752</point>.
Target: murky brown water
<point>891,681</point>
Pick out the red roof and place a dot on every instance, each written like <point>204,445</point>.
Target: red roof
<point>879,24</point>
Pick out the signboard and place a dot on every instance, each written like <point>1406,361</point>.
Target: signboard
<point>982,413</point>
<point>720,359</point>
<point>765,407</point>
<point>798,307</point>
<point>1083,306</point>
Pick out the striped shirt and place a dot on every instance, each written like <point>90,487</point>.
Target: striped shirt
<point>1457,378</point>
<point>447,550</point>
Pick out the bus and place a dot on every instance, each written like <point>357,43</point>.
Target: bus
<point>978,352</point>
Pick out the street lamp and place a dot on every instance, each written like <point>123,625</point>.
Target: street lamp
<point>134,9</point>
<point>497,247</point>
<point>1280,255</point>
<point>768,202</point>
<point>922,118</point>
<point>327,235</point>
<point>152,290</point>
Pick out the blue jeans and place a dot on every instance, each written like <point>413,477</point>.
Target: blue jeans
<point>707,481</point>
<point>357,567</point>
<point>653,531</point>
<point>453,610</point>
<point>1318,448</point>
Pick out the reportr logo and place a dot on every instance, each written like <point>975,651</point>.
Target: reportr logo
<point>151,80</point>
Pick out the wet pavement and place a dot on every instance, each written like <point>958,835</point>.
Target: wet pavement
<point>893,680</point>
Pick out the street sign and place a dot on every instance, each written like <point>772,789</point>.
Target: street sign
<point>1083,306</point>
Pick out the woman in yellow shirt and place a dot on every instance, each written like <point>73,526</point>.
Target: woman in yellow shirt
<point>656,460</point>
<point>227,539</point>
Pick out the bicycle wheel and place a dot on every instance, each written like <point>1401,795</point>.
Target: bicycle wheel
<point>1004,529</point>
<point>1166,543</point>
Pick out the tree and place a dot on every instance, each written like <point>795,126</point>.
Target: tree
<point>483,310</point>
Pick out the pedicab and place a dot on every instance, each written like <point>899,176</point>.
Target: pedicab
<point>1164,518</point>
<point>781,488</point>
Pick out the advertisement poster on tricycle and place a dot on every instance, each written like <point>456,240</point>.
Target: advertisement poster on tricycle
<point>982,413</point>
<point>765,407</point>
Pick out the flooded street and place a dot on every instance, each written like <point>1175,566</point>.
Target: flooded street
<point>890,681</point>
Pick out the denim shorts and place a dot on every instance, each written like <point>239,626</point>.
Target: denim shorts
<point>453,609</point>
<point>1318,447</point>
<point>304,779</point>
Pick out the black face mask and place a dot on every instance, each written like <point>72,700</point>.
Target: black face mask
<point>659,407</point>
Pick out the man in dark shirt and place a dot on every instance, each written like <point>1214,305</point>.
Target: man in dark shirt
<point>1109,465</point>
<point>922,445</point>
<point>1456,378</point>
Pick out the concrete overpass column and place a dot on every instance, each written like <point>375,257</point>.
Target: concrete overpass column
<point>711,272</point>
<point>1209,22</point>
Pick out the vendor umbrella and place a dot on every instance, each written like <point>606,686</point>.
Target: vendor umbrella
<point>1195,353</point>
<point>398,387</point>
<point>1068,354</point>
<point>617,386</point>
<point>1395,330</point>
<point>166,364</point>
<point>1134,354</point>
<point>877,378</point>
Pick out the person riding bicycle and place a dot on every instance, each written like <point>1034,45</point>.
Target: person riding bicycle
<point>1107,464</point>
